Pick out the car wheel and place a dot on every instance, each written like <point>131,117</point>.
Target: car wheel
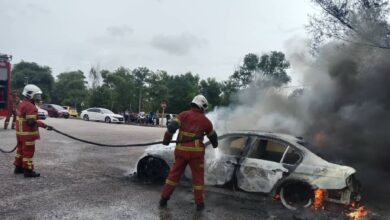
<point>296,195</point>
<point>86,118</point>
<point>153,169</point>
<point>107,120</point>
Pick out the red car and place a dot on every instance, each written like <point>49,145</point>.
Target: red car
<point>55,111</point>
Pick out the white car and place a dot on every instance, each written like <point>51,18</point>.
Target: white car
<point>42,113</point>
<point>259,162</point>
<point>101,114</point>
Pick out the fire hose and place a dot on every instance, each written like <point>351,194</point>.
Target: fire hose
<point>113,145</point>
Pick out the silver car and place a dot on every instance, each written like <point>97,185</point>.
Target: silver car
<point>258,162</point>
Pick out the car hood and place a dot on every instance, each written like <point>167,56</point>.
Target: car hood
<point>322,173</point>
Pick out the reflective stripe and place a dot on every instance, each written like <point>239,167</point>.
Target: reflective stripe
<point>188,134</point>
<point>192,149</point>
<point>170,182</point>
<point>200,187</point>
<point>27,159</point>
<point>178,121</point>
<point>20,118</point>
<point>26,133</point>
<point>31,116</point>
<point>28,143</point>
<point>18,156</point>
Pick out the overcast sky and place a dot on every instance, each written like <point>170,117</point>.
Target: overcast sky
<point>206,37</point>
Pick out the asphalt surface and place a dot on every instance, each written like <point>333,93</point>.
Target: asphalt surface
<point>81,181</point>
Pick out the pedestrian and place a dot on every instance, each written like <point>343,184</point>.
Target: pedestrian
<point>13,102</point>
<point>27,132</point>
<point>191,123</point>
<point>157,117</point>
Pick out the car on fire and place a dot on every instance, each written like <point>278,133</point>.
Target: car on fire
<point>55,111</point>
<point>101,114</point>
<point>267,163</point>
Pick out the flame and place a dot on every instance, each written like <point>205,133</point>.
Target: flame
<point>276,197</point>
<point>357,212</point>
<point>320,139</point>
<point>319,198</point>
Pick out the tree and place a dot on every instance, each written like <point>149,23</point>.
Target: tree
<point>357,21</point>
<point>70,89</point>
<point>211,89</point>
<point>181,89</point>
<point>269,69</point>
<point>31,73</point>
<point>274,66</point>
<point>141,74</point>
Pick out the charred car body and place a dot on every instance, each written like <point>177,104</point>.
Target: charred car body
<point>258,162</point>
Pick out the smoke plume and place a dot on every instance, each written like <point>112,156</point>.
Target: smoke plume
<point>343,109</point>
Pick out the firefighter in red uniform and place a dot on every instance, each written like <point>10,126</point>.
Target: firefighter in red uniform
<point>27,132</point>
<point>192,123</point>
<point>13,102</point>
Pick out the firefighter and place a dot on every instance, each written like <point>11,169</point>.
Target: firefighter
<point>27,132</point>
<point>14,101</point>
<point>191,124</point>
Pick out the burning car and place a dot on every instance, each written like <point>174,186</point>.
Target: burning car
<point>259,162</point>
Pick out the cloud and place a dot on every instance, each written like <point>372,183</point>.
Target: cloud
<point>177,44</point>
<point>119,31</point>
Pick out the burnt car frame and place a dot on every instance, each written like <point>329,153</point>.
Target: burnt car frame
<point>264,163</point>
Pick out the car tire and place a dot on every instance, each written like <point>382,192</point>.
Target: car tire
<point>296,195</point>
<point>107,120</point>
<point>152,169</point>
<point>86,118</point>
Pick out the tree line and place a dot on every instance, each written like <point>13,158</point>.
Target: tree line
<point>142,89</point>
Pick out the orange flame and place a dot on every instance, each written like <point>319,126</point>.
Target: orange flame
<point>358,211</point>
<point>319,198</point>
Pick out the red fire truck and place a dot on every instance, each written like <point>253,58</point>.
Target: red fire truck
<point>5,84</point>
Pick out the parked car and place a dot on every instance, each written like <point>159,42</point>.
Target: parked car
<point>42,113</point>
<point>101,114</point>
<point>55,111</point>
<point>72,111</point>
<point>258,162</point>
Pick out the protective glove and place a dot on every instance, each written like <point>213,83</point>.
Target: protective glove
<point>167,138</point>
<point>49,128</point>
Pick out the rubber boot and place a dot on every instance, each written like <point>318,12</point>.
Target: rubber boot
<point>200,207</point>
<point>13,126</point>
<point>30,173</point>
<point>163,202</point>
<point>18,170</point>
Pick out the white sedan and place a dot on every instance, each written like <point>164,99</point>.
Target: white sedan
<point>262,162</point>
<point>101,114</point>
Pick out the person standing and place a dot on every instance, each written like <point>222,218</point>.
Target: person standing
<point>191,124</point>
<point>27,132</point>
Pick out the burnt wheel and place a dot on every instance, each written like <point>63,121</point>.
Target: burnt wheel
<point>296,195</point>
<point>153,169</point>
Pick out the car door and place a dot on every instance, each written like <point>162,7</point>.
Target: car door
<point>91,114</point>
<point>99,115</point>
<point>262,168</point>
<point>220,163</point>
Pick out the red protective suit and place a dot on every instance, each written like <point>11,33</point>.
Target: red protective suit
<point>191,123</point>
<point>25,134</point>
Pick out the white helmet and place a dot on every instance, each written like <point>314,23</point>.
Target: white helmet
<point>201,102</point>
<point>31,90</point>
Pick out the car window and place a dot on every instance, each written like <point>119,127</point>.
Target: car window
<point>106,111</point>
<point>233,145</point>
<point>291,157</point>
<point>91,110</point>
<point>267,150</point>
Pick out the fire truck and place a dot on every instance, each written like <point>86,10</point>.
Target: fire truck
<point>5,84</point>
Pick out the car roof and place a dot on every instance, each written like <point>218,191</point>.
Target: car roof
<point>297,141</point>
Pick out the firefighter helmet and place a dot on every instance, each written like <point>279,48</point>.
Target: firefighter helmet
<point>201,102</point>
<point>31,91</point>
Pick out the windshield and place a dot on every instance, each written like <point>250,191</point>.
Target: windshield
<point>106,111</point>
<point>58,107</point>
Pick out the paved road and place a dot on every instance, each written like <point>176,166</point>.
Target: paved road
<point>81,181</point>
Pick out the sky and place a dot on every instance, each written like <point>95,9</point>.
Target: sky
<point>209,38</point>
